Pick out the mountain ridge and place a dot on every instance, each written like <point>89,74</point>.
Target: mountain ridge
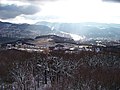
<point>78,31</point>
<point>92,30</point>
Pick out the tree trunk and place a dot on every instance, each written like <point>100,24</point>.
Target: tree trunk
<point>45,76</point>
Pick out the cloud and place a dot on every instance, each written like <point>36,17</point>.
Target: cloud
<point>19,19</point>
<point>11,11</point>
<point>23,2</point>
<point>112,0</point>
<point>41,2</point>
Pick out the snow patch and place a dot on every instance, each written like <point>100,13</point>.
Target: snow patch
<point>77,37</point>
<point>74,36</point>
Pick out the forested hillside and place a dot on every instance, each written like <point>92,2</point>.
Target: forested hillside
<point>21,70</point>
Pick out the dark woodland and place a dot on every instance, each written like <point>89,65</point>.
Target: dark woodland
<point>21,70</point>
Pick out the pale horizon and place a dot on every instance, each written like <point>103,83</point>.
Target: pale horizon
<point>67,11</point>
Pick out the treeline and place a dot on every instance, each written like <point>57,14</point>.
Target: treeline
<point>21,70</point>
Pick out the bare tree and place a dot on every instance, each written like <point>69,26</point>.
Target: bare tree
<point>22,73</point>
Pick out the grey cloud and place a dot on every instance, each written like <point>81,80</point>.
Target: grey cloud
<point>11,11</point>
<point>38,1</point>
<point>112,0</point>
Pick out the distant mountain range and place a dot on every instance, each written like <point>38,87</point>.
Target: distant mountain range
<point>22,30</point>
<point>27,31</point>
<point>76,31</point>
<point>89,30</point>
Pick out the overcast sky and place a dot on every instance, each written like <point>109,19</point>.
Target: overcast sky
<point>32,11</point>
